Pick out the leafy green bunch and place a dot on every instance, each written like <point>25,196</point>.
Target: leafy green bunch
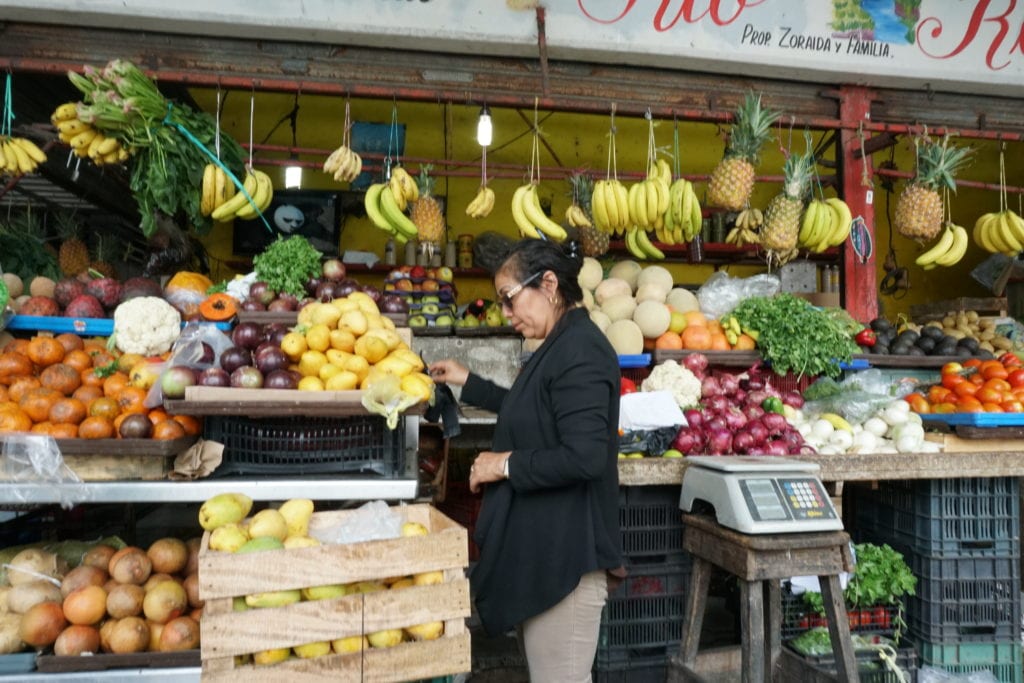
<point>286,264</point>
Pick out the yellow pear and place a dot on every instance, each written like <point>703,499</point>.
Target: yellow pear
<point>228,538</point>
<point>224,508</point>
<point>300,542</point>
<point>310,363</point>
<point>325,314</point>
<point>364,587</point>
<point>358,365</point>
<point>354,321</point>
<point>270,523</point>
<point>275,656</point>
<point>413,529</point>
<point>337,357</point>
<point>318,337</point>
<point>371,347</point>
<point>350,644</point>
<point>343,340</point>
<point>326,592</point>
<point>432,630</point>
<point>344,305</point>
<point>342,381</point>
<point>402,583</point>
<point>297,512</point>
<point>294,345</point>
<point>311,650</point>
<point>390,337</point>
<point>428,578</point>
<point>386,638</point>
<point>260,544</point>
<point>419,385</point>
<point>311,384</point>
<point>327,371</point>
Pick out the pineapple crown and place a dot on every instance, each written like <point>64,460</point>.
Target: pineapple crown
<point>66,224</point>
<point>750,129</point>
<point>939,162</point>
<point>424,181</point>
<point>582,189</point>
<point>798,171</point>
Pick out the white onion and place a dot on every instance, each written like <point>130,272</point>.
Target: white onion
<point>828,450</point>
<point>822,428</point>
<point>899,405</point>
<point>908,444</point>
<point>894,416</point>
<point>876,426</point>
<point>865,442</point>
<point>804,428</point>
<point>841,439</point>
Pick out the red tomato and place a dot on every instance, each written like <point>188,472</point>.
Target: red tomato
<point>880,617</point>
<point>965,389</point>
<point>919,404</point>
<point>938,394</point>
<point>989,395</point>
<point>1013,406</point>
<point>1011,360</point>
<point>627,386</point>
<point>992,407</point>
<point>943,407</point>
<point>972,362</point>
<point>952,380</point>
<point>993,369</point>
<point>1016,377</point>
<point>853,616</point>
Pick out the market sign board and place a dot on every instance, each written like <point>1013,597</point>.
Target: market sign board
<point>973,46</point>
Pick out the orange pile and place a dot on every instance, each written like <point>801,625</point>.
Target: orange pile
<point>974,386</point>
<point>699,334</point>
<point>69,388</point>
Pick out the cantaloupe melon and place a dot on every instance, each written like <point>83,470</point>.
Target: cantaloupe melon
<point>588,300</point>
<point>653,318</point>
<point>591,273</point>
<point>625,337</point>
<point>628,271</point>
<point>600,319</point>
<point>682,300</point>
<point>651,292</point>
<point>655,275</point>
<point>610,287</point>
<point>619,307</point>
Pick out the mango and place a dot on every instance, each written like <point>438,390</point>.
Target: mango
<point>270,523</point>
<point>275,656</point>
<point>386,638</point>
<point>261,543</point>
<point>311,650</point>
<point>413,529</point>
<point>430,631</point>
<point>224,508</point>
<point>325,592</point>
<point>350,644</point>
<point>228,538</point>
<point>297,512</point>
<point>273,598</point>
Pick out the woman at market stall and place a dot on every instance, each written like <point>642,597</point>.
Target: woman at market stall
<point>548,528</point>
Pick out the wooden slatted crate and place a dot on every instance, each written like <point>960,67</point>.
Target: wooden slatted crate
<point>226,633</point>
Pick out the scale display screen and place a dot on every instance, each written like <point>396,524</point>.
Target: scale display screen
<point>777,499</point>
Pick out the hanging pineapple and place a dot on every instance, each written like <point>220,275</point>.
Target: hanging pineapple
<point>919,210</point>
<point>73,256</point>
<point>425,212</point>
<point>732,181</point>
<point>593,242</point>
<point>782,217</point>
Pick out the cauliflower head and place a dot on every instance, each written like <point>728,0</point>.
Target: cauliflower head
<point>147,325</point>
<point>673,377</point>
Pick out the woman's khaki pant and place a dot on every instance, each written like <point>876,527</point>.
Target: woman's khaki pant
<point>560,643</point>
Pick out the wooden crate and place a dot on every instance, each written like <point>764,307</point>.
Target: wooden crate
<point>226,633</point>
<point>120,459</point>
<point>936,310</point>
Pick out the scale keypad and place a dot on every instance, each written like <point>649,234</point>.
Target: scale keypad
<point>806,499</point>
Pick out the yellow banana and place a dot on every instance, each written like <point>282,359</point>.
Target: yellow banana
<point>695,213</point>
<point>73,127</point>
<point>227,210</point>
<point>644,242</point>
<point>526,228</point>
<point>389,207</point>
<point>957,251</point>
<point>395,185</point>
<point>631,246</point>
<point>651,201</point>
<point>533,211</point>
<point>939,249</point>
<point>1006,233</point>
<point>409,186</point>
<point>65,112</point>
<point>980,233</point>
<point>807,224</point>
<point>822,228</point>
<point>3,159</point>
<point>597,207</point>
<point>33,152</point>
<point>335,159</point>
<point>611,203</point>
<point>637,205</point>
<point>224,189</point>
<point>837,421</point>
<point>82,140</point>
<point>845,221</point>
<point>664,172</point>
<point>23,162</point>
<point>208,190</point>
<point>260,198</point>
<point>622,203</point>
<point>1015,225</point>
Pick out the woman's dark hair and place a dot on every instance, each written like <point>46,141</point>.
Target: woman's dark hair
<point>528,257</point>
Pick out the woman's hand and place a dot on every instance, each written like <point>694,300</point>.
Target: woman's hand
<point>449,372</point>
<point>487,467</point>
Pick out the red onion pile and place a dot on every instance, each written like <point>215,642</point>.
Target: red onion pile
<point>731,419</point>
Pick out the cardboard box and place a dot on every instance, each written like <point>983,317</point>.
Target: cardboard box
<point>226,633</point>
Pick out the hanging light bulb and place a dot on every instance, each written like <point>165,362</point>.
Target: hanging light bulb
<point>293,176</point>
<point>484,129</point>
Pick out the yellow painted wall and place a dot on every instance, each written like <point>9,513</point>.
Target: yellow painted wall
<point>439,131</point>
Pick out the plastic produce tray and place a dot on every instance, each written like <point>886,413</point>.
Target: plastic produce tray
<point>292,446</point>
<point>978,419</point>
<point>965,599</point>
<point>870,667</point>
<point>1003,659</point>
<point>796,618</point>
<point>652,525</point>
<point>100,327</point>
<point>641,625</point>
<point>978,516</point>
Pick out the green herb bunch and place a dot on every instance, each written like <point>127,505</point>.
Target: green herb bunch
<point>795,336</point>
<point>286,264</point>
<point>167,167</point>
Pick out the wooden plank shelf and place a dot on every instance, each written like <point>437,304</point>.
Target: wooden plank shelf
<point>272,403</point>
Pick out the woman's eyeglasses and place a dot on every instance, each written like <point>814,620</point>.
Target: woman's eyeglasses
<point>506,298</point>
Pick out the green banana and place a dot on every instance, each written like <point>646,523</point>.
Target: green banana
<point>371,202</point>
<point>394,215</point>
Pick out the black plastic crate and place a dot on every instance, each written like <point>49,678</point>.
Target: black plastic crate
<point>1002,658</point>
<point>964,599</point>
<point>797,618</point>
<point>870,667</point>
<point>651,524</point>
<point>978,516</point>
<point>308,445</point>
<point>641,625</point>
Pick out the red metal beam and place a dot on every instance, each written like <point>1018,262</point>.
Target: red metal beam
<point>1012,189</point>
<point>859,279</point>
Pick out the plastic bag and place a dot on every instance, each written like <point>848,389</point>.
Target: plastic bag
<point>931,674</point>
<point>386,398</point>
<point>653,441</point>
<point>720,293</point>
<point>857,397</point>
<point>36,459</point>
<point>189,350</point>
<point>369,522</point>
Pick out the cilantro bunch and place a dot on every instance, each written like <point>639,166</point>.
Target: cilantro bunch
<point>286,264</point>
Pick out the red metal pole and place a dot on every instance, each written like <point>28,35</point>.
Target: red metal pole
<point>860,292</point>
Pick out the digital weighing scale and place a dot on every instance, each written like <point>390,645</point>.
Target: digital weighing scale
<point>758,494</point>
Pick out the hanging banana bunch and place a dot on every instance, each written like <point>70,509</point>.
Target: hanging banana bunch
<point>648,204</point>
<point>86,141</point>
<point>527,212</point>
<point>343,164</point>
<point>1001,231</point>
<point>609,202</point>
<point>483,202</point>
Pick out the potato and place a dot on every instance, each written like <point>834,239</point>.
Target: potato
<point>33,561</point>
<point>24,596</point>
<point>10,641</point>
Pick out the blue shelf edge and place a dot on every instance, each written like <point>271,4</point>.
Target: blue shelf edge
<point>977,419</point>
<point>102,327</point>
<point>639,360</point>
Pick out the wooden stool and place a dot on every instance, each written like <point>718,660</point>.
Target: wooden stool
<point>760,562</point>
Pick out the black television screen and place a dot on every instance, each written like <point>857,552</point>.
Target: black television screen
<point>313,214</point>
